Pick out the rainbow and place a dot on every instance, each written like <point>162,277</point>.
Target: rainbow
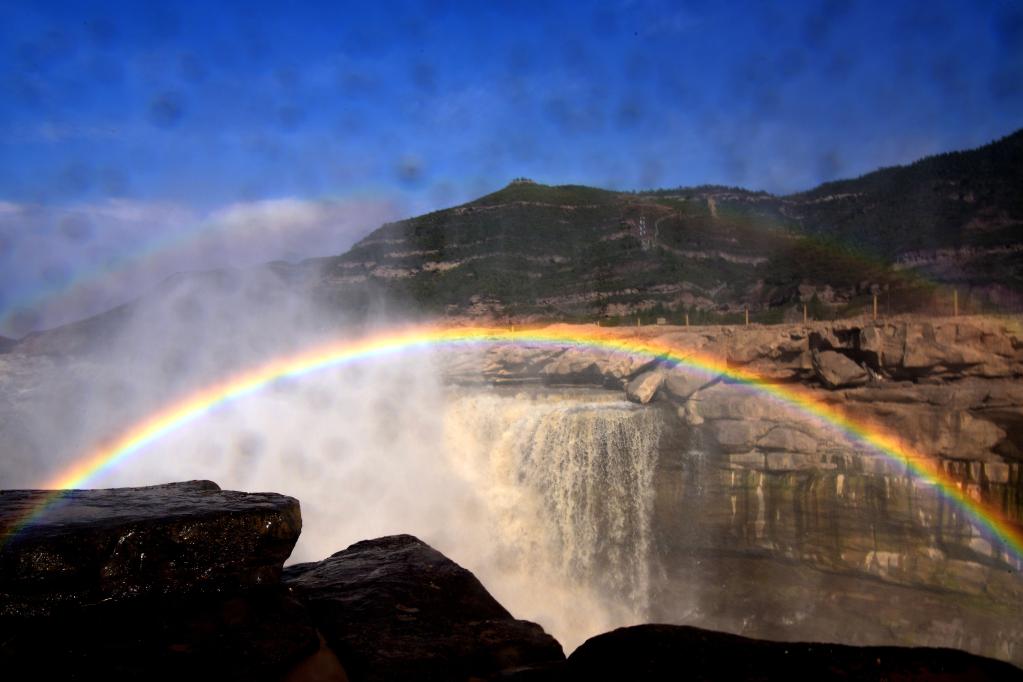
<point>200,403</point>
<point>113,266</point>
<point>183,236</point>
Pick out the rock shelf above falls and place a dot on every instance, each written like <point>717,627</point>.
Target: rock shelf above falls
<point>949,387</point>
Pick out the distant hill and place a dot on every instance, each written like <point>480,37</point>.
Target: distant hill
<point>955,200</point>
<point>531,251</point>
<point>956,218</point>
<point>564,252</point>
<point>570,251</point>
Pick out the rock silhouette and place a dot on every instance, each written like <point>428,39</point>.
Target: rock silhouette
<point>390,608</point>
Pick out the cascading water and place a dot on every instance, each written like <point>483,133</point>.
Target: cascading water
<point>545,495</point>
<point>567,480</point>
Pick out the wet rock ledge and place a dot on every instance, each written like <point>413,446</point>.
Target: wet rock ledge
<point>186,581</point>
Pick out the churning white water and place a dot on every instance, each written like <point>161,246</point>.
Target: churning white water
<point>545,494</point>
<point>567,480</point>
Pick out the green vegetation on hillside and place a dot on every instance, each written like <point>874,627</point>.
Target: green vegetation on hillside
<point>970,198</point>
<point>581,253</point>
<point>561,195</point>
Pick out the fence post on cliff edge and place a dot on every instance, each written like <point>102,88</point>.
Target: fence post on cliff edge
<point>747,316</point>
<point>875,307</point>
<point>955,303</point>
<point>687,319</point>
<point>804,313</point>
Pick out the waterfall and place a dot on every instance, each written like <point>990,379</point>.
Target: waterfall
<point>567,481</point>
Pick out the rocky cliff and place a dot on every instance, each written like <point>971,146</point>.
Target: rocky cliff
<point>205,602</point>
<point>771,523</point>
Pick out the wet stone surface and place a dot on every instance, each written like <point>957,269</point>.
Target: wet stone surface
<point>394,608</point>
<point>258,634</point>
<point>654,652</point>
<point>162,582</point>
<point>98,546</point>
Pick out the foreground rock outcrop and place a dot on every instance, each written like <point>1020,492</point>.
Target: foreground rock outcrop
<point>385,609</point>
<point>663,652</point>
<point>165,582</point>
<point>394,608</point>
<point>101,546</point>
<point>184,580</point>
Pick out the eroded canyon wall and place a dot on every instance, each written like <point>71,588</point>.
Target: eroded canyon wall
<point>771,522</point>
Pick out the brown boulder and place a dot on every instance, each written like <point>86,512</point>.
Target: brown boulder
<point>836,370</point>
<point>681,383</point>
<point>574,366</point>
<point>733,435</point>
<point>787,439</point>
<point>644,388</point>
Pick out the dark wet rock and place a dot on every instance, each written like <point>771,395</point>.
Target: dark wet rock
<point>395,608</point>
<point>320,666</point>
<point>257,634</point>
<point>663,652</point>
<point>6,344</point>
<point>98,546</point>
<point>553,671</point>
<point>166,582</point>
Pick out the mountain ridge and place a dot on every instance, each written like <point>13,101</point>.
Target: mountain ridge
<point>572,251</point>
<point>536,252</point>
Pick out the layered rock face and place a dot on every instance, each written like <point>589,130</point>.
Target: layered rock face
<point>770,522</point>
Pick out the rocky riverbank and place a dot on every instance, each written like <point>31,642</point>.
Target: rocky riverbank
<point>770,522</point>
<point>187,581</point>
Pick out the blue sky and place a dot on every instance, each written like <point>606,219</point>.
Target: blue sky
<point>384,109</point>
